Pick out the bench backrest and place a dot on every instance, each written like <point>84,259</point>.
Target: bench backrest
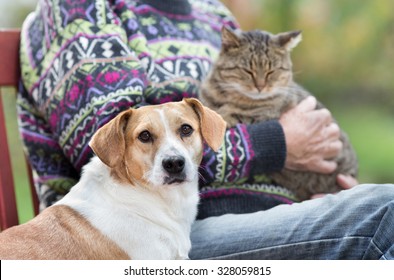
<point>9,76</point>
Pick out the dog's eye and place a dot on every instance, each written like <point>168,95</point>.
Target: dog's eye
<point>186,130</point>
<point>145,136</point>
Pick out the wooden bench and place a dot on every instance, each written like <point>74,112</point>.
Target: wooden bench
<point>9,77</point>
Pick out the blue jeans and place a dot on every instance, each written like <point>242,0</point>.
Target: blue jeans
<point>353,224</point>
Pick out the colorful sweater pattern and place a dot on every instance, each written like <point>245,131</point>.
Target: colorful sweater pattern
<point>83,62</point>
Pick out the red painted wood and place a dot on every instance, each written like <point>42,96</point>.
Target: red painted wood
<point>8,210</point>
<point>9,76</point>
<point>9,57</point>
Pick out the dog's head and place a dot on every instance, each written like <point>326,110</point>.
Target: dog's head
<point>158,145</point>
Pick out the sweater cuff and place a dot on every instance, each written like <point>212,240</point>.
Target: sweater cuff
<point>269,146</point>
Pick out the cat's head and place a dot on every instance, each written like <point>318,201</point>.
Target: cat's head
<point>256,63</point>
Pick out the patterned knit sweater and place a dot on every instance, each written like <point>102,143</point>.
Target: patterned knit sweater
<point>83,62</point>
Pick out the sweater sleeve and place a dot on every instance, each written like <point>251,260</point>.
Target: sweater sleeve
<point>53,173</point>
<point>248,152</point>
<point>78,72</point>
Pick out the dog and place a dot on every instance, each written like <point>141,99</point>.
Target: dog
<point>136,199</point>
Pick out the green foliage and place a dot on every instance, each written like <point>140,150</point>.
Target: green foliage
<point>12,13</point>
<point>371,132</point>
<point>346,43</point>
<point>22,190</point>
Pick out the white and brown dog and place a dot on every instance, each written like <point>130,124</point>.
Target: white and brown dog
<point>137,199</point>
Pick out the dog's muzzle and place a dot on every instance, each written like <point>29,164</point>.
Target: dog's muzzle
<point>175,166</point>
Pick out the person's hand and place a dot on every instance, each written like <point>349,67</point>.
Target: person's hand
<point>344,181</point>
<point>312,138</point>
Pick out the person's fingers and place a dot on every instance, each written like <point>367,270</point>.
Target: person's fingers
<point>312,139</point>
<point>332,131</point>
<point>331,143</point>
<point>346,181</point>
<point>321,117</point>
<point>306,105</point>
<point>318,195</point>
<point>324,166</point>
<point>331,150</point>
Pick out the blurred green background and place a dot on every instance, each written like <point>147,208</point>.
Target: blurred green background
<point>346,59</point>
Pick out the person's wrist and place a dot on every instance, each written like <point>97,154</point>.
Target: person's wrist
<point>268,145</point>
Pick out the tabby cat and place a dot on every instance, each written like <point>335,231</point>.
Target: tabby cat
<point>252,81</point>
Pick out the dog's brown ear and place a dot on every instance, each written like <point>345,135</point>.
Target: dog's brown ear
<point>108,143</point>
<point>212,124</point>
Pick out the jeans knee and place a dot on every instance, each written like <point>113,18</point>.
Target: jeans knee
<point>374,193</point>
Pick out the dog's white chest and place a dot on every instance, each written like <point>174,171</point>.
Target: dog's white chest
<point>144,226</point>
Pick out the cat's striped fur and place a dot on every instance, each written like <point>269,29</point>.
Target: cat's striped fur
<point>252,81</point>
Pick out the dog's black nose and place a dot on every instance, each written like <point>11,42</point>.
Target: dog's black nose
<point>174,165</point>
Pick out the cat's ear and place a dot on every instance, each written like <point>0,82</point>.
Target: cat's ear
<point>288,40</point>
<point>229,39</point>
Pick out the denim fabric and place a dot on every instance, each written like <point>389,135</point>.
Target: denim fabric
<point>353,224</point>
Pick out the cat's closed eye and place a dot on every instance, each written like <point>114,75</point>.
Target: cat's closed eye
<point>248,72</point>
<point>269,73</point>
<point>228,72</point>
<point>236,73</point>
